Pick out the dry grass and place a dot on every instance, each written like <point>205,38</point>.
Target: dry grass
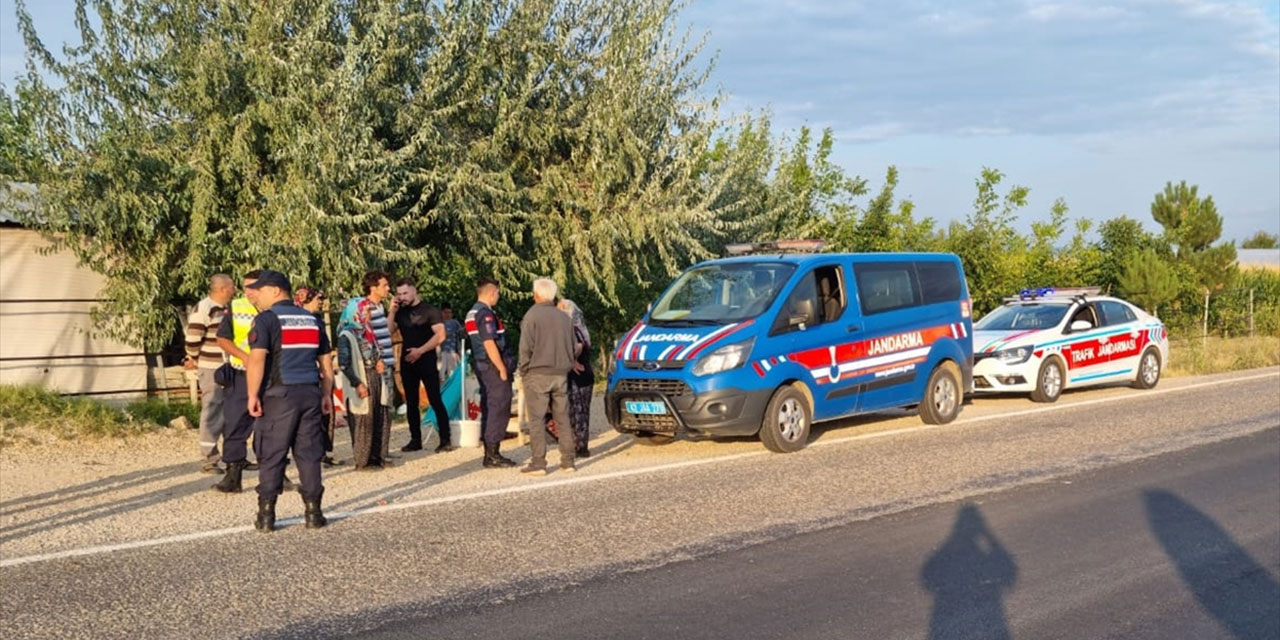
<point>1192,357</point>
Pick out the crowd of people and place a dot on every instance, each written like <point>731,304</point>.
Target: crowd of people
<point>266,367</point>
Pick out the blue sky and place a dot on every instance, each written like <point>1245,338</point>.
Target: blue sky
<point>1098,102</point>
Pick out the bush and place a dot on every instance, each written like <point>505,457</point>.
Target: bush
<point>161,412</point>
<point>27,411</point>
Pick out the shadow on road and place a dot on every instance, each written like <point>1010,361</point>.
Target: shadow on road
<point>968,577</point>
<point>1226,581</point>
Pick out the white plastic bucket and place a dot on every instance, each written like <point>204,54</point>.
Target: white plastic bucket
<point>465,433</point>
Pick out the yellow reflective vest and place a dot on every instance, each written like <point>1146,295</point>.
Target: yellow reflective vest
<point>242,314</point>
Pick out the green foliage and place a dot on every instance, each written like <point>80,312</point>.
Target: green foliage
<point>1148,280</point>
<point>1261,240</point>
<point>512,138</point>
<point>157,411</point>
<point>1192,225</point>
<point>67,418</point>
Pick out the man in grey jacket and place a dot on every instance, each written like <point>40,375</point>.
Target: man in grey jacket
<point>546,357</point>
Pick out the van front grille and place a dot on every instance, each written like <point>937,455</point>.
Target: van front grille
<point>665,386</point>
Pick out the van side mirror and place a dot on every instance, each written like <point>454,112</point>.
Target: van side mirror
<point>802,314</point>
<point>1081,325</point>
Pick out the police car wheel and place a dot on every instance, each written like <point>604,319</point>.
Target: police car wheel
<point>786,421</point>
<point>1048,382</point>
<point>942,395</point>
<point>1148,370</point>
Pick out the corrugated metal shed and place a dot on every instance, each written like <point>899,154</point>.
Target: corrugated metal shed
<point>45,324</point>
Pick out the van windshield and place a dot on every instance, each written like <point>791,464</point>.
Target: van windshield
<point>1022,316</point>
<point>721,293</point>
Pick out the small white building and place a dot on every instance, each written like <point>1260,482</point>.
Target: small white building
<point>45,323</point>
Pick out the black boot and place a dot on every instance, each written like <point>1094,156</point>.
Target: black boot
<point>493,459</point>
<point>266,521</point>
<point>314,517</point>
<point>231,481</point>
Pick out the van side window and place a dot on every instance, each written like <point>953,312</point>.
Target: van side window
<point>819,296</point>
<point>886,286</point>
<point>802,303</point>
<point>939,282</point>
<point>831,297</point>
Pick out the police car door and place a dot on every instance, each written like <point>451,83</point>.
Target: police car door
<point>1086,361</point>
<point>1122,348</point>
<point>810,329</point>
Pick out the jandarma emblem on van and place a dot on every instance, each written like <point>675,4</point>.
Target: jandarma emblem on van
<point>895,343</point>
<point>668,337</point>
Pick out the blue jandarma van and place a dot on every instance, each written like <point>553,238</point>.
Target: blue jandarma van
<point>769,343</point>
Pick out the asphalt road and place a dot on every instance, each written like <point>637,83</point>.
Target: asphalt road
<point>1078,558</point>
<point>1185,545</point>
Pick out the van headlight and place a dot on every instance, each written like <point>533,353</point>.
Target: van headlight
<point>1017,355</point>
<point>730,356</point>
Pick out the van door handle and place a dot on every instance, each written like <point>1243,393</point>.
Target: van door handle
<point>851,328</point>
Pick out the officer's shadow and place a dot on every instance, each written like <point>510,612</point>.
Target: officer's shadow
<point>1229,584</point>
<point>968,577</point>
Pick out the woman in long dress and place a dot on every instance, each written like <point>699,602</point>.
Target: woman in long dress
<point>581,379</point>
<point>365,387</point>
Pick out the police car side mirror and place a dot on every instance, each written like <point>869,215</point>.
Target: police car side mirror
<point>1081,325</point>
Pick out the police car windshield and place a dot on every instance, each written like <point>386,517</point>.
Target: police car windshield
<point>720,293</point>
<point>1015,317</point>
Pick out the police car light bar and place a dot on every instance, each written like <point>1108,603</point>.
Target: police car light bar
<point>1066,292</point>
<point>780,246</point>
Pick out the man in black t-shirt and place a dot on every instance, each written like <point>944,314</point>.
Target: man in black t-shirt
<point>421,328</point>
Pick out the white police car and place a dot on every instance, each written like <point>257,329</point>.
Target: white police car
<point>1048,340</point>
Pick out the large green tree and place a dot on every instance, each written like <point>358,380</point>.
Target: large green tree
<point>322,137</point>
<point>1192,225</point>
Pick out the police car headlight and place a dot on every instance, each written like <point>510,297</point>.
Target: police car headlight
<point>725,358</point>
<point>1016,355</point>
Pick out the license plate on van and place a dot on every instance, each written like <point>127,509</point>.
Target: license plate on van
<point>646,408</point>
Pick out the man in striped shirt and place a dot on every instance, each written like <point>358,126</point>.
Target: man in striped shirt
<point>377,288</point>
<point>204,356</point>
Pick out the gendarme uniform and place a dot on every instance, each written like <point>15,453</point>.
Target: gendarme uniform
<point>239,424</point>
<point>291,396</point>
<point>495,393</point>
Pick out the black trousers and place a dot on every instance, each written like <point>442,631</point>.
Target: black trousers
<point>423,372</point>
<point>292,418</point>
<point>239,424</point>
<point>495,403</point>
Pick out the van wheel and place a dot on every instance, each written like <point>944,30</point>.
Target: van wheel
<point>1148,370</point>
<point>786,421</point>
<point>1048,382</point>
<point>942,396</point>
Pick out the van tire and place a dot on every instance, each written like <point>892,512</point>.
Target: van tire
<point>1050,381</point>
<point>942,395</point>
<point>1149,370</point>
<point>787,420</point>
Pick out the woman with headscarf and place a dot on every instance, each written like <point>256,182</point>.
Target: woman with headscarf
<point>364,386</point>
<point>581,379</point>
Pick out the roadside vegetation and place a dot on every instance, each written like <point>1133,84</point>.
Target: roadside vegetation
<point>1191,357</point>
<point>31,414</point>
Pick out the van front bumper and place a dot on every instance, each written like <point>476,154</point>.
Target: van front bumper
<point>724,412</point>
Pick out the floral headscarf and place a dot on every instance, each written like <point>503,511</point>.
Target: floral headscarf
<point>356,316</point>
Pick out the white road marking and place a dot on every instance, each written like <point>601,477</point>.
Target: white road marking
<point>580,479</point>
